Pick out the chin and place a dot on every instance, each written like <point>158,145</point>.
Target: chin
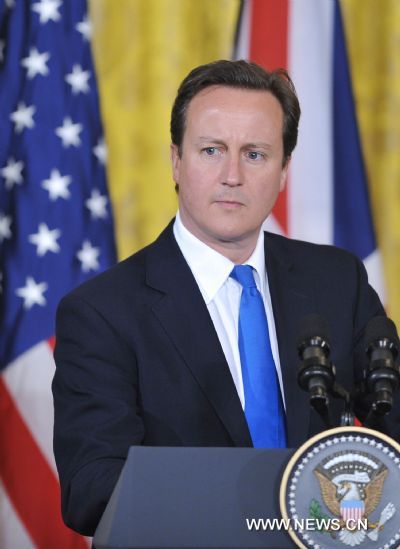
<point>235,234</point>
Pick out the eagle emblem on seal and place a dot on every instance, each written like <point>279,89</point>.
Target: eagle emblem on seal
<point>351,485</point>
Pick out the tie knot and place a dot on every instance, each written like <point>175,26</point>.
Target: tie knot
<point>244,275</point>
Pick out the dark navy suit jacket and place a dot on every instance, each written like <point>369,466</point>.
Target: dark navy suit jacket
<point>139,361</point>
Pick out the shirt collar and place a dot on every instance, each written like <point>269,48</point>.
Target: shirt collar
<point>210,268</point>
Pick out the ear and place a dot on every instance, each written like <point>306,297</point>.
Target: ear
<point>284,174</point>
<point>175,162</point>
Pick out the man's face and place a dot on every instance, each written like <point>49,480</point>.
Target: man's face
<point>230,170</point>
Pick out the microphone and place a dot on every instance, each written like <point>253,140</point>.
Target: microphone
<point>382,374</point>
<point>316,374</point>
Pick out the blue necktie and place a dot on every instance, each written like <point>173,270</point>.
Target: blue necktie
<point>263,403</point>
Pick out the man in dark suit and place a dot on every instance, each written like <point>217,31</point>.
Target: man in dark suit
<point>148,352</point>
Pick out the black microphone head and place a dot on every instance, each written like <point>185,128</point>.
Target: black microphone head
<point>311,327</point>
<point>380,328</point>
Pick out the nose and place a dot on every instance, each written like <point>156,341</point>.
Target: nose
<point>232,175</point>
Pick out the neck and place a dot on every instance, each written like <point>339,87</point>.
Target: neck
<point>238,250</point>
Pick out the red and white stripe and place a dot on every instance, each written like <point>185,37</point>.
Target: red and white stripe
<point>352,513</point>
<point>30,514</point>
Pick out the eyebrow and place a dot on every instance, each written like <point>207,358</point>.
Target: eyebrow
<point>211,139</point>
<point>259,145</point>
<point>255,145</point>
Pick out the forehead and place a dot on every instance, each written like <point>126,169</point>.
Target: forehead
<point>235,105</point>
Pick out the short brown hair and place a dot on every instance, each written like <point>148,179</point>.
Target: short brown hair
<point>239,74</point>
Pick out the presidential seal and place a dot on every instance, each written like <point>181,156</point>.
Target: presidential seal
<point>342,488</point>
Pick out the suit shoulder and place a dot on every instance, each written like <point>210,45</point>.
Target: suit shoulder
<point>302,250</point>
<point>112,281</point>
<point>125,285</point>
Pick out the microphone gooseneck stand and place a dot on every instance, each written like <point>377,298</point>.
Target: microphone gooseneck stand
<point>381,377</point>
<point>382,374</point>
<point>317,373</point>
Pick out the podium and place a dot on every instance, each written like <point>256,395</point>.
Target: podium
<point>195,498</point>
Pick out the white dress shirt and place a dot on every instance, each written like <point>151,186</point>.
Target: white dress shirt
<point>222,293</point>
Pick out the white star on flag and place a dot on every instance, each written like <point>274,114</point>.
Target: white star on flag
<point>35,63</point>
<point>78,79</point>
<point>45,240</point>
<point>97,204</point>
<point>32,293</point>
<point>12,173</point>
<point>69,133</point>
<point>48,10</point>
<point>5,223</point>
<point>57,185</point>
<point>23,117</point>
<point>85,28</point>
<point>88,256</point>
<point>10,3</point>
<point>100,151</point>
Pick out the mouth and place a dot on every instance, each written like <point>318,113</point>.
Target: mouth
<point>229,204</point>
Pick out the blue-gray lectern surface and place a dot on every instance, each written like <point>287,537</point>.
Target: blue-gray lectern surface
<point>194,498</point>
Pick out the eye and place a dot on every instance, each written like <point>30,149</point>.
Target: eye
<point>255,155</point>
<point>210,151</point>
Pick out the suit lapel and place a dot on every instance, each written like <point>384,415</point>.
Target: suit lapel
<point>292,299</point>
<point>185,318</point>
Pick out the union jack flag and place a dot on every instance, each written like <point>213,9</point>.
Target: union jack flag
<point>326,199</point>
<point>56,230</point>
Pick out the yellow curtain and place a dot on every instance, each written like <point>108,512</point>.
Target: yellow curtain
<point>373,36</point>
<point>143,49</point>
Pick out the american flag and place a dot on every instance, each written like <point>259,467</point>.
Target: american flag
<point>56,231</point>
